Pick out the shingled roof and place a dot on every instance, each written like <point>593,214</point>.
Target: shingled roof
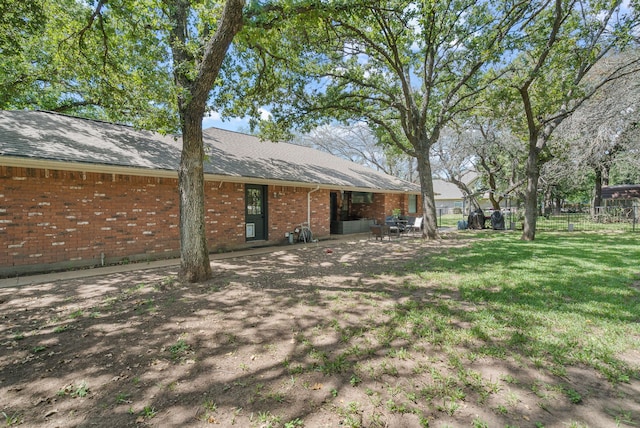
<point>622,191</point>
<point>51,137</point>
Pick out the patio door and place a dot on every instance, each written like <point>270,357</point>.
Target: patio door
<point>256,212</point>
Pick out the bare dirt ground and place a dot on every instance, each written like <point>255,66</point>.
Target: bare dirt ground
<point>289,338</point>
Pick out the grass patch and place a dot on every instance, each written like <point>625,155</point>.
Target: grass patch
<point>179,349</point>
<point>562,300</point>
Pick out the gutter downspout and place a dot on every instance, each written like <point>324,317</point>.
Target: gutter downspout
<point>309,204</point>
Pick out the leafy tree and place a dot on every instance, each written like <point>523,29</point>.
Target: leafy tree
<point>197,55</point>
<point>546,80</point>
<point>149,62</point>
<point>152,63</point>
<point>19,20</point>
<point>482,146</point>
<point>603,131</point>
<point>405,68</point>
<point>89,61</point>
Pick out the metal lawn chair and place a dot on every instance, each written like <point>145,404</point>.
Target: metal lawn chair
<point>416,226</point>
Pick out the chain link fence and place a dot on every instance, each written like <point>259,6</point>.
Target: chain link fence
<point>623,219</point>
<point>604,218</point>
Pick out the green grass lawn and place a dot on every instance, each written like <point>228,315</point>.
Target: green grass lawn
<point>561,300</point>
<point>548,316</point>
<point>449,220</point>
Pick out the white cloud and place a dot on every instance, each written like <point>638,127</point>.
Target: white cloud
<point>212,119</point>
<point>265,114</point>
<point>214,115</point>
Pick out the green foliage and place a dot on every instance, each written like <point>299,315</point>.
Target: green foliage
<point>18,20</point>
<point>105,63</point>
<point>354,61</point>
<point>11,419</point>
<point>407,69</point>
<point>178,349</point>
<point>148,412</point>
<point>79,390</point>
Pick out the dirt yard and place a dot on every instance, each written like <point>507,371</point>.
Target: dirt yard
<point>289,338</point>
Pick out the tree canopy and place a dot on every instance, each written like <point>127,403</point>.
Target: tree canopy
<point>102,60</point>
<point>151,63</point>
<point>405,68</point>
<point>546,80</point>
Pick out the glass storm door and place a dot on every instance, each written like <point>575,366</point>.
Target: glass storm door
<point>256,212</point>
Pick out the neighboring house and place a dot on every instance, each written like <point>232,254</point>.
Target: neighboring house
<point>623,198</point>
<point>626,195</point>
<point>448,197</point>
<point>450,200</point>
<point>78,192</point>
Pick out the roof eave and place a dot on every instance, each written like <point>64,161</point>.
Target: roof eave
<point>26,162</point>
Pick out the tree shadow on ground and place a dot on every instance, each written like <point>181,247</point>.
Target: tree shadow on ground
<point>360,336</point>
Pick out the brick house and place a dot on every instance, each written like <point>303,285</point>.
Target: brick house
<point>77,192</point>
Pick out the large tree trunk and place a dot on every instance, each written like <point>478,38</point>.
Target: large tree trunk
<point>430,221</point>
<point>531,194</point>
<point>192,101</point>
<point>194,254</point>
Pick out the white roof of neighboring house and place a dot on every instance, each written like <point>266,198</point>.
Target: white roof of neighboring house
<point>445,190</point>
<point>32,136</point>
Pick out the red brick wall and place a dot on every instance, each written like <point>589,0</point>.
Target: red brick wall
<point>401,201</point>
<point>224,214</point>
<point>52,219</point>
<point>288,208</point>
<point>63,217</point>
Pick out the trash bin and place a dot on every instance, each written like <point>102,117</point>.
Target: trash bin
<point>497,220</point>
<point>476,219</point>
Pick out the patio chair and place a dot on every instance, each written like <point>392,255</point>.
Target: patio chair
<point>380,231</point>
<point>416,226</point>
<point>393,225</point>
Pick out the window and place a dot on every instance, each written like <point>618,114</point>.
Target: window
<point>254,201</point>
<point>362,197</point>
<point>413,204</point>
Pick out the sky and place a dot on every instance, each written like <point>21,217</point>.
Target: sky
<point>212,120</point>
<point>237,124</point>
